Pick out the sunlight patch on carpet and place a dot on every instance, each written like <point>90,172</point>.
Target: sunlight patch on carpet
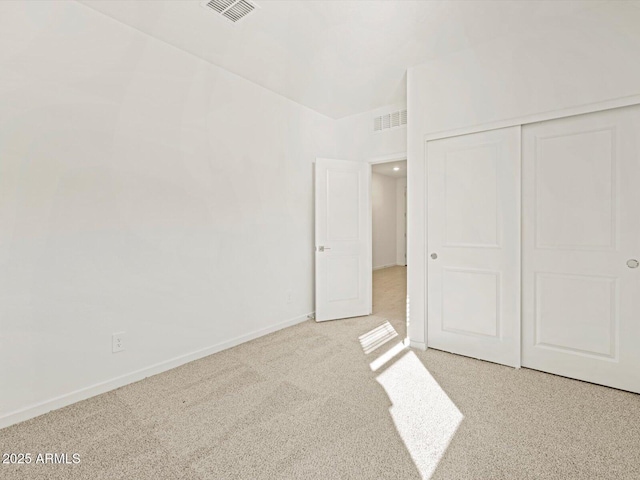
<point>388,355</point>
<point>377,337</point>
<point>424,415</point>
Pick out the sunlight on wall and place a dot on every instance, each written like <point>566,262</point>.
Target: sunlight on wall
<point>425,417</point>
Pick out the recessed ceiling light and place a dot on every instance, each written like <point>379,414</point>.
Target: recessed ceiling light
<point>395,169</point>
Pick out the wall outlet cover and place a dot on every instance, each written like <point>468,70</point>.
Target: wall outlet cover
<point>117,342</point>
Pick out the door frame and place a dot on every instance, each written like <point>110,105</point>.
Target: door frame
<point>394,157</point>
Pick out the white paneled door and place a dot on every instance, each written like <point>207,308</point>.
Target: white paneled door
<point>581,247</point>
<point>343,256</point>
<point>473,245</point>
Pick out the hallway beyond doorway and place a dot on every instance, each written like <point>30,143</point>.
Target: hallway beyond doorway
<point>389,297</point>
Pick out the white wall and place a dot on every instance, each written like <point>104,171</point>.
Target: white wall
<point>558,65</point>
<point>356,139</point>
<point>141,190</point>
<point>388,210</point>
<point>383,205</point>
<point>401,210</point>
<point>584,58</point>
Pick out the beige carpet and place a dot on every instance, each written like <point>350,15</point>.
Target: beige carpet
<point>305,403</point>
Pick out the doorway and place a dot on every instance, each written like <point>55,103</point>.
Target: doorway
<point>344,269</point>
<point>389,241</point>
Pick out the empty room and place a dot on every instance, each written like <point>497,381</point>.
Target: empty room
<point>319,239</point>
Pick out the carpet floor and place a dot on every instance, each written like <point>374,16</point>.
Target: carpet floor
<point>341,399</point>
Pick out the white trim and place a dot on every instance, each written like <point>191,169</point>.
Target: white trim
<point>87,392</point>
<point>518,333</point>
<point>394,157</point>
<point>537,117</point>
<point>425,232</point>
<point>370,243</point>
<point>418,345</point>
<point>387,266</point>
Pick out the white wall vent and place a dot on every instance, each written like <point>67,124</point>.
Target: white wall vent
<point>233,10</point>
<point>390,120</point>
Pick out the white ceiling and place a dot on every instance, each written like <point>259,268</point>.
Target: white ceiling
<point>388,169</point>
<point>336,57</point>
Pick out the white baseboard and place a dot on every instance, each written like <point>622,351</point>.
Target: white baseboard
<point>386,266</point>
<point>91,391</point>
<point>418,345</point>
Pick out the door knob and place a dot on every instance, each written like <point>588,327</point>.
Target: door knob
<point>434,255</point>
<point>633,263</point>
<point>322,248</point>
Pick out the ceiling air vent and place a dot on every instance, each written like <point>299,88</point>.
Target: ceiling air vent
<point>390,120</point>
<point>233,10</point>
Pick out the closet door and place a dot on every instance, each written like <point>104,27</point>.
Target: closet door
<point>473,245</point>
<point>581,247</point>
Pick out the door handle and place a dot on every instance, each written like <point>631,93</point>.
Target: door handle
<point>434,255</point>
<point>633,263</point>
<point>322,248</point>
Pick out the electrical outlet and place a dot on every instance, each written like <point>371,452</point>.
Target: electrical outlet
<point>117,342</point>
<point>289,296</point>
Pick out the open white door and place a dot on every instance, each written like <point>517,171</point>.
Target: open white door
<point>473,245</point>
<point>343,257</point>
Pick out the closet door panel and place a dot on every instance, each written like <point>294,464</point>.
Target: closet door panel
<point>581,235</point>
<point>473,245</point>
